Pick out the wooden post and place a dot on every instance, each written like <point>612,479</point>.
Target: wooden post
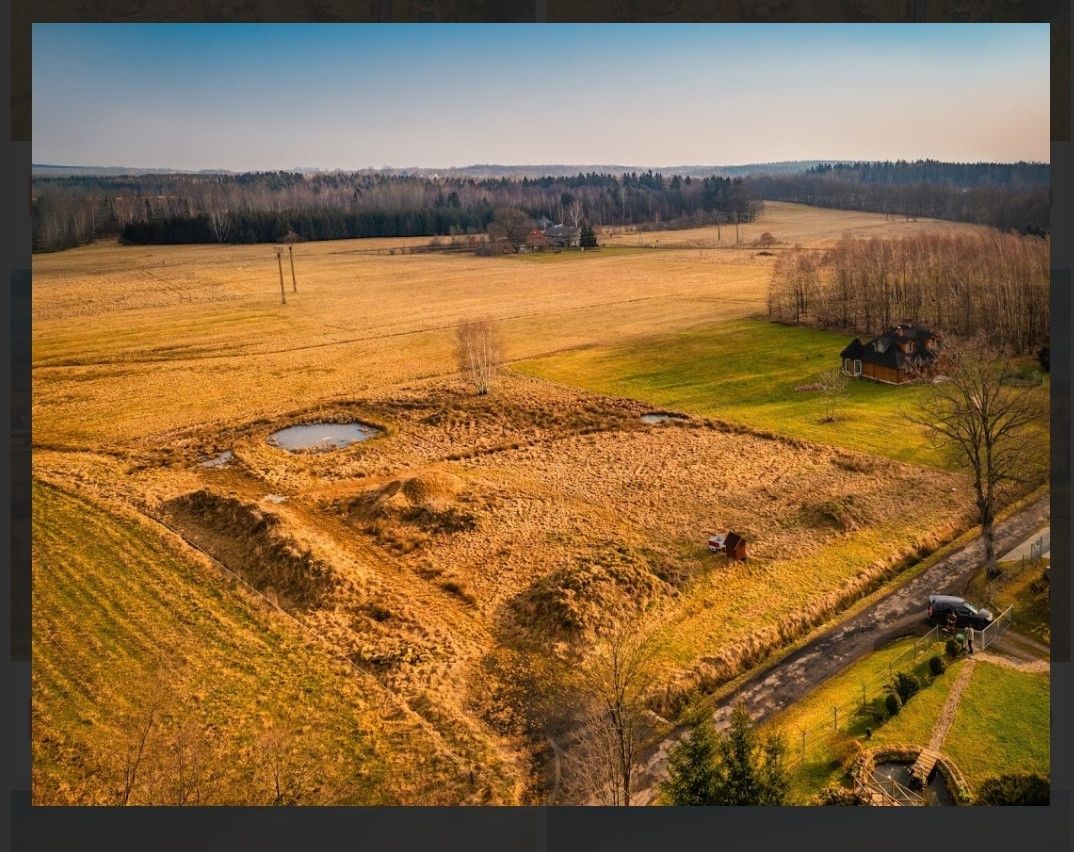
<point>863,700</point>
<point>279,260</point>
<point>803,742</point>
<point>291,252</point>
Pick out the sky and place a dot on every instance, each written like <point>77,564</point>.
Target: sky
<point>281,96</point>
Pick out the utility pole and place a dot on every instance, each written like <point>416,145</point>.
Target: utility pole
<point>279,261</point>
<point>291,253</point>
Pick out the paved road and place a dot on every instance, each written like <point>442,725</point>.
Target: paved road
<point>788,681</point>
<point>1026,546</point>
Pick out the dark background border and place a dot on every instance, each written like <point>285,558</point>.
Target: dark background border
<point>503,829</point>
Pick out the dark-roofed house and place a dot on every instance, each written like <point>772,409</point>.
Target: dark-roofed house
<point>902,353</point>
<point>563,236</point>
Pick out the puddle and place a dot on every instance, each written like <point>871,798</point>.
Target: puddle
<point>220,460</point>
<point>663,417</point>
<point>935,792</point>
<point>322,436</point>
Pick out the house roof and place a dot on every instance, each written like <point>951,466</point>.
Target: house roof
<point>732,540</point>
<point>852,350</point>
<point>563,231</point>
<point>884,350</point>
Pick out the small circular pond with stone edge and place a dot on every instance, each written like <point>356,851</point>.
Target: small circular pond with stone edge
<point>322,436</point>
<point>935,792</point>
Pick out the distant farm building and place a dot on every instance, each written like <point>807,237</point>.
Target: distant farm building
<point>900,354</point>
<point>563,236</point>
<point>535,241</point>
<point>729,543</point>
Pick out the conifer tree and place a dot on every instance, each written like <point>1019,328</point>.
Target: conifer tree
<point>691,767</point>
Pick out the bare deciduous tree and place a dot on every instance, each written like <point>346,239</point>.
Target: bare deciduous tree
<point>957,283</point>
<point>479,352</point>
<point>987,424</point>
<point>137,728</point>
<point>833,387</point>
<point>219,222</point>
<point>575,213</point>
<point>614,720</point>
<point>286,770</point>
<point>510,224</point>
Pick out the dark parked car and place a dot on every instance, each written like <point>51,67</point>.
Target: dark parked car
<point>966,614</point>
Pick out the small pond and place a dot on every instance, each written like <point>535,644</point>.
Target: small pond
<point>663,417</point>
<point>322,436</point>
<point>936,791</point>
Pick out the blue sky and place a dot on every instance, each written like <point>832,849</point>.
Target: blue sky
<point>240,96</point>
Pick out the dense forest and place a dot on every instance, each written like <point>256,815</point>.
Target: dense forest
<point>266,206</point>
<point>960,284</point>
<point>1008,196</point>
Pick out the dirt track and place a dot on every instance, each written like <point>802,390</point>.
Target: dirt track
<point>776,688</point>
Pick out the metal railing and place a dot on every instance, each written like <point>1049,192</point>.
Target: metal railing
<point>983,638</point>
<point>802,741</point>
<point>1041,546</point>
<point>899,794</point>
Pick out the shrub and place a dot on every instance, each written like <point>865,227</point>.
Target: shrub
<point>834,795</point>
<point>892,703</point>
<point>953,647</point>
<point>1014,790</point>
<point>936,665</point>
<point>905,686</point>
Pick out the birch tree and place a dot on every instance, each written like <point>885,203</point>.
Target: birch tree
<point>478,352</point>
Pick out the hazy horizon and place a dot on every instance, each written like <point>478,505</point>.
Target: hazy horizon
<point>351,97</point>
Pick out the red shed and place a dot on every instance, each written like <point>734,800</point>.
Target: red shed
<point>735,546</point>
<point>730,543</point>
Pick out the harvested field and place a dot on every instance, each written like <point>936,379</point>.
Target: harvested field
<point>130,342</point>
<point>789,224</point>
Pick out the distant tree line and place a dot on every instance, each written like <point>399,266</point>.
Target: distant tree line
<point>992,283</point>
<point>1008,196</point>
<point>265,206</point>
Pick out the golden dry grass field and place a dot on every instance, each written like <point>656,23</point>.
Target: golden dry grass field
<point>475,545</point>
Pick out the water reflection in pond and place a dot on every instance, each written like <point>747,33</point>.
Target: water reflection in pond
<point>322,436</point>
<point>936,791</point>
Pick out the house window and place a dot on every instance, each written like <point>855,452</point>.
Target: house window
<point>857,367</point>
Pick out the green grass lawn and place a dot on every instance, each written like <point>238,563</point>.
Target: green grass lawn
<point>827,748</point>
<point>1019,586</point>
<point>746,371</point>
<point>1002,724</point>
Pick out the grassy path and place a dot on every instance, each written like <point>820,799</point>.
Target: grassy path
<point>947,714</point>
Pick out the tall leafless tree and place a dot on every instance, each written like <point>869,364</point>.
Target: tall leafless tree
<point>614,720</point>
<point>990,426</point>
<point>833,388</point>
<point>479,352</point>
